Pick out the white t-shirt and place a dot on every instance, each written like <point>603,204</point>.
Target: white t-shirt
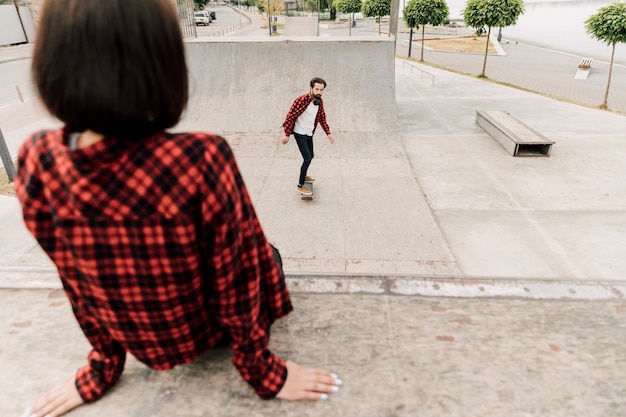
<point>306,122</point>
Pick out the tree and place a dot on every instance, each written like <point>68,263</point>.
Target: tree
<point>260,5</point>
<point>276,7</point>
<point>376,8</point>
<point>608,25</point>
<point>424,12</point>
<point>348,6</point>
<point>491,13</point>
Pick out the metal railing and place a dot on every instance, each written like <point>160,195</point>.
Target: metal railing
<point>420,70</point>
<point>185,15</point>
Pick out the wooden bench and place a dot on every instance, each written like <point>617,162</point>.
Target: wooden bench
<point>583,69</point>
<point>518,138</point>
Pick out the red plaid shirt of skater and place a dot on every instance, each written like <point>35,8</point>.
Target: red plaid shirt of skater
<point>159,250</point>
<point>298,107</point>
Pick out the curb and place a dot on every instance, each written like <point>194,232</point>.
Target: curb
<point>458,287</point>
<point>396,285</point>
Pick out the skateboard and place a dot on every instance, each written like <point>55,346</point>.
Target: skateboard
<point>309,185</point>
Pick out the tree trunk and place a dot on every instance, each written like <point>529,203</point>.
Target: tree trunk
<point>410,41</point>
<point>486,50</point>
<point>422,53</point>
<point>605,104</point>
<point>350,24</point>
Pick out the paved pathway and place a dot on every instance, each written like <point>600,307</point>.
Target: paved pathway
<point>535,69</point>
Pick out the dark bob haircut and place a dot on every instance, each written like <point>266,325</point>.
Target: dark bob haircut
<point>116,67</point>
<point>317,80</point>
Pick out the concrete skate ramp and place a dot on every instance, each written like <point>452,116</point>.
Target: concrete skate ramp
<point>247,85</point>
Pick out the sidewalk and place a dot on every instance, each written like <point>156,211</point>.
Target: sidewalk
<point>16,53</point>
<point>535,69</point>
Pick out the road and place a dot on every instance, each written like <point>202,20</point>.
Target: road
<point>227,21</point>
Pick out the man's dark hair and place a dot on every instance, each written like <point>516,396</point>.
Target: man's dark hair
<point>116,67</point>
<point>317,80</point>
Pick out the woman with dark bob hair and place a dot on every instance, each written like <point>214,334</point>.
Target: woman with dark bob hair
<point>154,235</point>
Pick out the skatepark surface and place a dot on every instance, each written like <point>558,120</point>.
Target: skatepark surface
<point>435,273</point>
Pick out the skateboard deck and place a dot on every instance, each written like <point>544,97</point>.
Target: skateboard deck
<point>309,185</point>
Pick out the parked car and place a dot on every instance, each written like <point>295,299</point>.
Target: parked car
<point>200,18</point>
<point>210,15</point>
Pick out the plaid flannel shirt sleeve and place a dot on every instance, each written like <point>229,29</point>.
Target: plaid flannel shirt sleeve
<point>107,358</point>
<point>240,255</point>
<point>105,361</point>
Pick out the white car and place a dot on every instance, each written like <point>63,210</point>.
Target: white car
<point>201,18</point>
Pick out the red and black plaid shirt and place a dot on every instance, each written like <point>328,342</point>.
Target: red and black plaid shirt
<point>298,107</point>
<point>159,250</point>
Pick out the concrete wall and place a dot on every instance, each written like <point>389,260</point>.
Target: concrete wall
<point>248,85</point>
<point>11,31</point>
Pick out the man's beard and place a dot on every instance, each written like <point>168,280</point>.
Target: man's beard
<point>317,96</point>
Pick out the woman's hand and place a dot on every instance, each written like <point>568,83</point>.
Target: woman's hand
<point>57,401</point>
<point>308,383</point>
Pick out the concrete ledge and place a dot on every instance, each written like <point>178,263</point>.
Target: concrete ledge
<point>399,285</point>
<point>518,138</point>
<point>458,287</point>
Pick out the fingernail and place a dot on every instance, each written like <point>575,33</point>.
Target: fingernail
<point>338,381</point>
<point>48,415</point>
<point>324,396</point>
<point>334,376</point>
<point>335,388</point>
<point>27,412</point>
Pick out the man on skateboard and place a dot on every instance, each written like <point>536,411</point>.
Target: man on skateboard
<point>304,115</point>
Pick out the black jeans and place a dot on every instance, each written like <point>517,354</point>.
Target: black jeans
<point>305,144</point>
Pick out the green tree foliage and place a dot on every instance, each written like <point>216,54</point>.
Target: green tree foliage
<point>491,13</point>
<point>313,6</point>
<point>261,5</point>
<point>376,8</point>
<point>608,26</point>
<point>348,6</point>
<point>199,4</point>
<point>424,12</point>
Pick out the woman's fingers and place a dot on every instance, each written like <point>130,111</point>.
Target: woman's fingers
<point>308,383</point>
<point>57,401</point>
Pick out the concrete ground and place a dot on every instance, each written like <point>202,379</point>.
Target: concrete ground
<point>439,275</point>
<point>397,355</point>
